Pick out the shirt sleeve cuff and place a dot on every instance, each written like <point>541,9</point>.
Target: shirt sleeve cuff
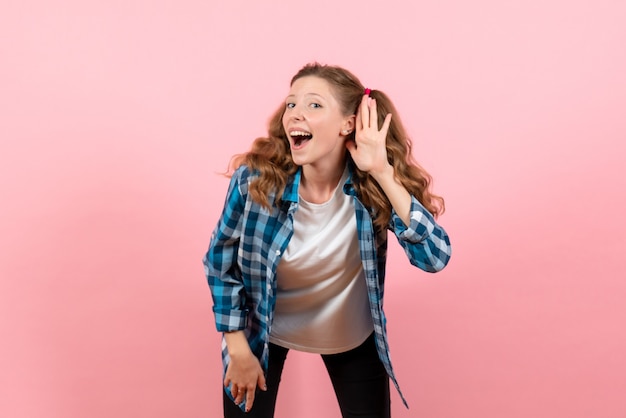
<point>421,225</point>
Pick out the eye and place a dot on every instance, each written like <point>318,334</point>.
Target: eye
<point>291,105</point>
<point>315,105</point>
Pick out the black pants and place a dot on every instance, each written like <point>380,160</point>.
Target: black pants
<point>358,377</point>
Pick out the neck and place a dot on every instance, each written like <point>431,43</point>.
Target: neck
<point>317,186</point>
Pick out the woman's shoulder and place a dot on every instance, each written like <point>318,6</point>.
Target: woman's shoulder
<point>243,174</point>
<point>242,177</point>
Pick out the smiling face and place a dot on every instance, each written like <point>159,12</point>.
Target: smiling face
<point>315,124</point>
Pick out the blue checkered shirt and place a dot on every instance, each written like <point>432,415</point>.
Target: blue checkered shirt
<point>247,244</point>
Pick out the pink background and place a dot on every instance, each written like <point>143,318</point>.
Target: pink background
<point>115,117</point>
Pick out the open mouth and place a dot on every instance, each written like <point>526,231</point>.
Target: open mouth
<point>300,137</point>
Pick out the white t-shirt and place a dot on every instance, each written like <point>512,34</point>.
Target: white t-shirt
<point>322,304</point>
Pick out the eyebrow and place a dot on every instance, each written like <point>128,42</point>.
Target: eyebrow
<point>308,94</point>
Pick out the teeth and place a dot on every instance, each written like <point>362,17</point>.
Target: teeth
<point>299,133</point>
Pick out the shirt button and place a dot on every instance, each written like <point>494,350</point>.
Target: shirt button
<point>277,252</point>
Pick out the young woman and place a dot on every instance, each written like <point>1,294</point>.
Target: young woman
<point>297,259</point>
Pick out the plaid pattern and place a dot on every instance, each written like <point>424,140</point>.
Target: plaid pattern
<point>247,244</point>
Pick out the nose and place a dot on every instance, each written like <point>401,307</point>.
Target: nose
<point>295,113</point>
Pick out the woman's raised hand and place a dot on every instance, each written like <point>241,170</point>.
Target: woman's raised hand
<point>368,150</point>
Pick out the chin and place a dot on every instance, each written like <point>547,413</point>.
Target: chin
<point>298,161</point>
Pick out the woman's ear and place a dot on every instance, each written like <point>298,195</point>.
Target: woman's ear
<point>348,125</point>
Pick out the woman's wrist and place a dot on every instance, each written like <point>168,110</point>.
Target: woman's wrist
<point>237,344</point>
<point>383,175</point>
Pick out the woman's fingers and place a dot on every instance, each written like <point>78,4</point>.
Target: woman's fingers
<point>367,115</point>
<point>241,390</point>
<point>373,114</point>
<point>249,399</point>
<point>237,394</point>
<point>261,382</point>
<point>386,124</point>
<point>364,112</point>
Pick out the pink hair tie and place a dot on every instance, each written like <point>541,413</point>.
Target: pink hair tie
<point>368,91</point>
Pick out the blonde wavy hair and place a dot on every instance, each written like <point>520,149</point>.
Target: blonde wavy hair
<point>271,157</point>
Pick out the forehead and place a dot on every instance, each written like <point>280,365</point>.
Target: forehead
<point>312,85</point>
